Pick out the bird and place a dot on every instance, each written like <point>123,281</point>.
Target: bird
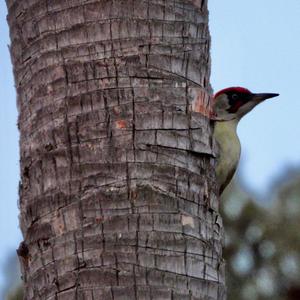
<point>229,106</point>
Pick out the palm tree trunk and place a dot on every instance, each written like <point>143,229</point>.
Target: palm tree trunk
<point>117,193</point>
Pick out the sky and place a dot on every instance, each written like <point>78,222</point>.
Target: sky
<point>9,152</point>
<point>255,44</point>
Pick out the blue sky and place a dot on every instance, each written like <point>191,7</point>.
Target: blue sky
<point>255,44</point>
<point>9,171</point>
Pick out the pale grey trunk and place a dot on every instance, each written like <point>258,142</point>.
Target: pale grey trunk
<point>117,192</point>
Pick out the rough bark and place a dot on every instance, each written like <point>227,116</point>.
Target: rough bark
<point>117,192</point>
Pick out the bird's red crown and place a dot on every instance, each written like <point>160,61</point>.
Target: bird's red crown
<point>236,89</point>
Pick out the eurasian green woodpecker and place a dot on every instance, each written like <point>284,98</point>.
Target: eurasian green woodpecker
<point>229,106</point>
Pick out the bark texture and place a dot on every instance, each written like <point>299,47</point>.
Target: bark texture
<point>117,192</point>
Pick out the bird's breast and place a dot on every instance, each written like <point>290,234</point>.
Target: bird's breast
<point>229,150</point>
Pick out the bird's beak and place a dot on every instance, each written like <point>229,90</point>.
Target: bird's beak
<point>261,97</point>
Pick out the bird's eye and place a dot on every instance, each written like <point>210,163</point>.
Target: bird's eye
<point>234,96</point>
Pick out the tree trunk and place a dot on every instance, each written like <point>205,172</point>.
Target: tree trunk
<point>117,195</point>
